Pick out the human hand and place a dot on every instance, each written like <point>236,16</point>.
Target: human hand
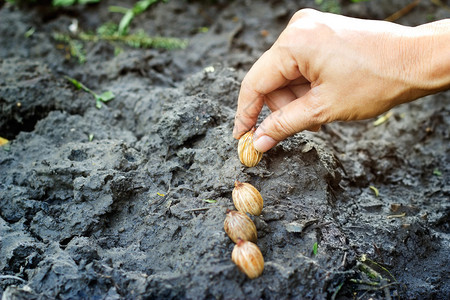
<point>326,67</point>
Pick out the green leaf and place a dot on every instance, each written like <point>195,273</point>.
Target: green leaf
<point>88,1</point>
<point>76,50</point>
<point>118,9</point>
<point>72,2</point>
<point>436,172</point>
<point>63,2</point>
<point>210,200</point>
<point>315,248</point>
<point>129,14</point>
<point>29,32</point>
<point>142,5</point>
<point>98,103</point>
<point>106,96</point>
<point>107,28</point>
<point>375,190</point>
<point>125,22</point>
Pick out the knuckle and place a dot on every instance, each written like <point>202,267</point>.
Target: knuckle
<point>288,37</point>
<point>305,12</point>
<point>319,114</point>
<point>290,41</point>
<point>302,30</point>
<point>282,128</point>
<point>318,108</point>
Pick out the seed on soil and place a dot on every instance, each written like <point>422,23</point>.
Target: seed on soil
<point>247,199</point>
<point>239,226</point>
<point>249,259</point>
<point>248,155</point>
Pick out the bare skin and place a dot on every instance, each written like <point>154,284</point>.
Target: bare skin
<point>326,68</point>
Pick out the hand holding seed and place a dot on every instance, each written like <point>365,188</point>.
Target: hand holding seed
<point>248,155</point>
<point>326,67</point>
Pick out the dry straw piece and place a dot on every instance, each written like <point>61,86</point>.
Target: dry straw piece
<point>239,226</point>
<point>248,155</point>
<point>249,259</point>
<point>247,199</point>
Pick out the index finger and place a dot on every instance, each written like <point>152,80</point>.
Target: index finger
<point>274,69</point>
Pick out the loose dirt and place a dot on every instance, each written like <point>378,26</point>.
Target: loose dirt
<point>111,203</point>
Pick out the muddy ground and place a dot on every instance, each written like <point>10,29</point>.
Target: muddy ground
<point>110,203</point>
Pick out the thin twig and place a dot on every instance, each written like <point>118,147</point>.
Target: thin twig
<point>396,216</point>
<point>370,283</point>
<point>12,277</point>
<point>196,209</point>
<point>333,297</point>
<point>402,12</point>
<point>344,259</point>
<point>315,226</point>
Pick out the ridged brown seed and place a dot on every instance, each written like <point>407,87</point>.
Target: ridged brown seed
<point>248,155</point>
<point>247,199</point>
<point>238,225</point>
<point>249,259</point>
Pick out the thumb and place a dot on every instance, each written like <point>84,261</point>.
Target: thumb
<point>301,114</point>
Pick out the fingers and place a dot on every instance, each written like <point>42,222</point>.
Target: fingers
<point>268,80</point>
<point>279,98</point>
<point>305,113</point>
<point>274,69</point>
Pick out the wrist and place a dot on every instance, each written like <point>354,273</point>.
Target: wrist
<point>431,59</point>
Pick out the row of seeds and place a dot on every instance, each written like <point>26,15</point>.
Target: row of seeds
<point>239,227</point>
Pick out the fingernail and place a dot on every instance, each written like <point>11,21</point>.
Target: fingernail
<point>237,133</point>
<point>264,143</point>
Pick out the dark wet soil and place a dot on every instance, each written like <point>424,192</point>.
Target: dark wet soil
<point>110,203</point>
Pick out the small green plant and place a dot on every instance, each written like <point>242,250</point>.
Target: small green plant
<point>368,276</point>
<point>139,39</point>
<point>437,172</point>
<point>75,47</point>
<point>99,99</point>
<point>117,33</point>
<point>315,248</point>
